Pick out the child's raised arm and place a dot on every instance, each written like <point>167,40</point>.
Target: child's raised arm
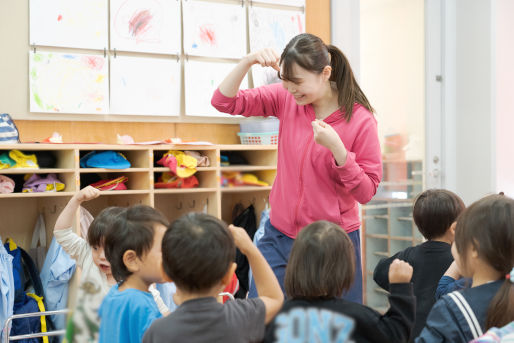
<point>65,219</point>
<point>267,284</point>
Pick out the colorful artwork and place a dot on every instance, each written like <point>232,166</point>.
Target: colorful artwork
<point>214,29</point>
<point>146,26</point>
<point>145,86</point>
<point>68,83</point>
<point>274,28</point>
<point>201,80</point>
<point>74,24</point>
<point>264,76</point>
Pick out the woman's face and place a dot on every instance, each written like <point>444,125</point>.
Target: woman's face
<point>306,86</point>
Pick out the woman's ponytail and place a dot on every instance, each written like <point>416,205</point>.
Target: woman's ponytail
<point>347,87</point>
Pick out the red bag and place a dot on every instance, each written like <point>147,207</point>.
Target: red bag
<point>117,184</point>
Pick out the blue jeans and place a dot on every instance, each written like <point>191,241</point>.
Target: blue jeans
<point>276,247</point>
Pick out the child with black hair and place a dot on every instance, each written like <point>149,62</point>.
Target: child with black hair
<point>133,248</point>
<point>321,267</point>
<point>483,251</point>
<point>198,252</point>
<point>434,213</point>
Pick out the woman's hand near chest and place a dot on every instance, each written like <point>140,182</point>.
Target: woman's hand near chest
<point>325,135</point>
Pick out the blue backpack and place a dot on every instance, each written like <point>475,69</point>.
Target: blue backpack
<point>26,277</point>
<point>8,131</point>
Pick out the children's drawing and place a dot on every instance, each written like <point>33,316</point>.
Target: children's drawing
<point>146,26</point>
<point>264,76</point>
<point>274,28</point>
<point>145,86</point>
<point>296,3</point>
<point>74,24</point>
<point>214,29</point>
<point>68,83</point>
<point>201,80</point>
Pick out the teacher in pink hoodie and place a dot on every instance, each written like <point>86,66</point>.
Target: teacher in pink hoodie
<point>329,157</point>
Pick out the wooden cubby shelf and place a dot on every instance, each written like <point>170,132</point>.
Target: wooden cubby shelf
<point>209,196</point>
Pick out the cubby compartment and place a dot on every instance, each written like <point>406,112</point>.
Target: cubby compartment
<point>267,176</point>
<point>209,153</point>
<point>376,220</point>
<point>136,180</point>
<point>138,158</point>
<point>259,200</point>
<point>176,204</point>
<point>401,221</point>
<point>206,179</point>
<point>21,214</point>
<point>48,161</point>
<point>261,156</point>
<point>375,245</point>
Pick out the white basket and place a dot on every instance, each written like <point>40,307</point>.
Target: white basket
<point>263,138</point>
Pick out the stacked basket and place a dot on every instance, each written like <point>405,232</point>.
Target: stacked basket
<point>259,131</point>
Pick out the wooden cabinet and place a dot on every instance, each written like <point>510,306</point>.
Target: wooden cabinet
<point>387,223</point>
<point>19,211</point>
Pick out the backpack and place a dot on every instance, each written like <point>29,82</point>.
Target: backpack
<point>9,133</point>
<point>28,296</point>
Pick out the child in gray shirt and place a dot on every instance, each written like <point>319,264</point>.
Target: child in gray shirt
<point>198,251</point>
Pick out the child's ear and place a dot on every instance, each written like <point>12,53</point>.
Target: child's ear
<point>165,276</point>
<point>131,261</point>
<point>452,230</point>
<point>327,72</point>
<point>228,275</point>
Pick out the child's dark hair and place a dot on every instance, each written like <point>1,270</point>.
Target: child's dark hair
<point>98,228</point>
<point>321,264</point>
<point>488,226</point>
<point>435,210</point>
<point>133,229</point>
<point>197,251</point>
<point>309,52</point>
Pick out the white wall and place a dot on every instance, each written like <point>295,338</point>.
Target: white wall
<point>504,90</point>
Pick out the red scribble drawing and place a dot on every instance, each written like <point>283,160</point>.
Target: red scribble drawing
<point>208,35</point>
<point>140,23</point>
<point>59,18</point>
<point>299,20</point>
<point>93,62</point>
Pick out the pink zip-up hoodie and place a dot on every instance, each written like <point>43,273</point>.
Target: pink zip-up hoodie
<point>309,185</point>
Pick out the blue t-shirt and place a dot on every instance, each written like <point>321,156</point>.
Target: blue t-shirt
<point>125,315</point>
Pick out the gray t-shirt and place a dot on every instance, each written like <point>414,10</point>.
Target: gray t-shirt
<point>206,320</point>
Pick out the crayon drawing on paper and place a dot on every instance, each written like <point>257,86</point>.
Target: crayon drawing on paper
<point>201,80</point>
<point>274,28</point>
<point>68,83</point>
<point>74,24</point>
<point>214,29</point>
<point>146,26</point>
<point>145,86</point>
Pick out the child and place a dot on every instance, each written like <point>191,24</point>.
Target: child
<point>329,153</point>
<point>96,277</point>
<point>133,248</point>
<point>483,251</point>
<point>451,281</point>
<point>434,212</point>
<point>198,254</point>
<point>320,268</point>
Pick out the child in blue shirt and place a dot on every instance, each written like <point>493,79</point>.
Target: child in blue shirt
<point>133,248</point>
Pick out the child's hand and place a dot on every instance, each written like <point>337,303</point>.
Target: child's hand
<point>241,238</point>
<point>86,194</point>
<point>266,57</point>
<point>453,271</point>
<point>325,135</point>
<point>400,272</point>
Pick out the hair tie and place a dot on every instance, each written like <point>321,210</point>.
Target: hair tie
<point>510,276</point>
